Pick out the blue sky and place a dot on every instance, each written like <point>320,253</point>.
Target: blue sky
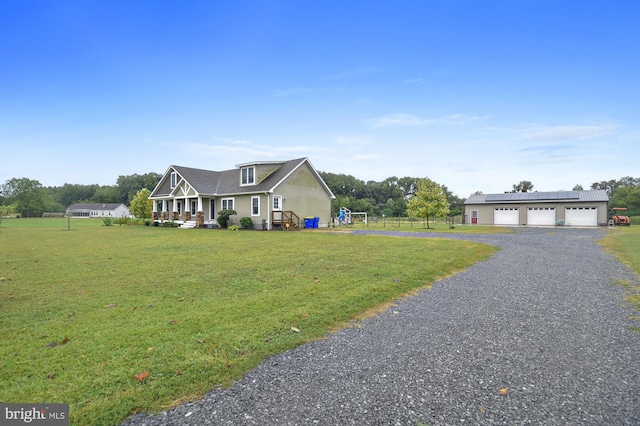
<point>476,95</point>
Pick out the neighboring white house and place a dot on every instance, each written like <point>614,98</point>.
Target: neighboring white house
<point>98,210</point>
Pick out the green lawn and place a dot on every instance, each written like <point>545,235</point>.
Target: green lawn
<point>405,225</point>
<point>624,243</point>
<point>83,311</point>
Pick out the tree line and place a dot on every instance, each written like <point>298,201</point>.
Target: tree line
<point>29,198</point>
<point>623,192</point>
<point>390,197</point>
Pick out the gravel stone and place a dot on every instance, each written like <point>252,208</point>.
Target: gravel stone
<point>538,334</point>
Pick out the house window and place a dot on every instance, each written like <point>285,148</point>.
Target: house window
<point>248,176</point>
<point>193,207</point>
<point>227,204</point>
<point>213,210</point>
<point>255,206</point>
<point>174,179</point>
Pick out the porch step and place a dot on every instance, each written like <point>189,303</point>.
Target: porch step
<point>189,224</point>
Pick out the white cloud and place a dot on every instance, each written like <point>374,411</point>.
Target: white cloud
<point>559,133</point>
<point>411,120</point>
<point>243,150</point>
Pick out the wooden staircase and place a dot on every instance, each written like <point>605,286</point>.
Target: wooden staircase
<point>286,219</point>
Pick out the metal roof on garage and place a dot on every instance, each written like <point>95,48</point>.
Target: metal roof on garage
<point>539,197</point>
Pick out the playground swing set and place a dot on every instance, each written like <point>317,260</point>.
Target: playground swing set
<point>345,217</point>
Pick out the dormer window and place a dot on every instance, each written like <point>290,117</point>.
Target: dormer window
<point>248,175</point>
<point>174,179</point>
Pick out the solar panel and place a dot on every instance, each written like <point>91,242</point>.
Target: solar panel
<point>533,196</point>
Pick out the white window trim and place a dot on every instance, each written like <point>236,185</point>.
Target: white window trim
<point>233,203</point>
<point>253,176</point>
<point>257,197</point>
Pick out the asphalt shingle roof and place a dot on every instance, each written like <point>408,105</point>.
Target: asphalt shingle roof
<point>95,206</point>
<point>227,182</point>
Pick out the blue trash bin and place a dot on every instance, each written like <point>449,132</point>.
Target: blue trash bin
<point>308,222</point>
<point>316,221</point>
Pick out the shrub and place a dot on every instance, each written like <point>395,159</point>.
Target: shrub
<point>171,224</point>
<point>233,227</point>
<point>246,223</point>
<point>223,217</point>
<point>108,221</point>
<point>122,220</point>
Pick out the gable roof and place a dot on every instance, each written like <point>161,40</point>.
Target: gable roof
<point>202,181</point>
<point>95,206</point>
<point>539,197</point>
<point>208,182</point>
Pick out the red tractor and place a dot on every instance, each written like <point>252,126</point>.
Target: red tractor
<point>619,219</point>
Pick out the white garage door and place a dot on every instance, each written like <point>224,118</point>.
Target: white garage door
<point>581,216</point>
<point>506,216</point>
<point>541,216</point>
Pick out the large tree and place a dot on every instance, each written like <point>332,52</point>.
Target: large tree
<point>71,193</point>
<point>629,197</point>
<point>611,186</point>
<point>30,198</point>
<point>128,186</point>
<point>106,194</point>
<point>141,205</point>
<point>523,186</point>
<point>429,201</point>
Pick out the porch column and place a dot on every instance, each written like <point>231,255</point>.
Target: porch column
<point>186,213</point>
<point>176,215</point>
<point>200,213</point>
<point>165,213</point>
<point>154,211</point>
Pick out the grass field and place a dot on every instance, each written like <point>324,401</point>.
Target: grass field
<point>406,225</point>
<point>624,243</point>
<point>86,310</point>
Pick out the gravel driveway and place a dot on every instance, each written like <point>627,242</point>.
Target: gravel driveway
<point>539,334</point>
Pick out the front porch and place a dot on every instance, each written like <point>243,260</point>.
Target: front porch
<point>188,212</point>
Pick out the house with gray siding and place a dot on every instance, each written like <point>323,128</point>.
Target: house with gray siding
<point>569,208</point>
<point>274,194</point>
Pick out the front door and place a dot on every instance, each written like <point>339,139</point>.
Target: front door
<point>474,217</point>
<point>277,208</point>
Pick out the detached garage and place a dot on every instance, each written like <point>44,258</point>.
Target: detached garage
<point>570,208</point>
